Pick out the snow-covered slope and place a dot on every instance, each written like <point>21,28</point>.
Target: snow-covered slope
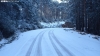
<point>52,42</point>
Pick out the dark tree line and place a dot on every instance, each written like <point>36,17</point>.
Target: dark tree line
<point>18,16</point>
<point>88,16</point>
<point>27,14</point>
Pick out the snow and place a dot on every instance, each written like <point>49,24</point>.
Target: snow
<point>53,24</point>
<point>9,1</point>
<point>60,1</point>
<point>3,41</point>
<point>52,42</point>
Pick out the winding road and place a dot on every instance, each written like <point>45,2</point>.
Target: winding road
<point>54,43</point>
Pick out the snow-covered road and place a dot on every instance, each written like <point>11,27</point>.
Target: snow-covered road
<point>52,42</point>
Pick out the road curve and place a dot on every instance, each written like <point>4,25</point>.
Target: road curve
<point>54,41</point>
<point>62,46</point>
<point>38,52</point>
<point>36,46</point>
<point>53,37</point>
<point>51,42</point>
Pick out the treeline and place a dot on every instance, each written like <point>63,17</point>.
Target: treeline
<point>18,16</point>
<point>87,14</point>
<point>26,15</point>
<point>52,11</point>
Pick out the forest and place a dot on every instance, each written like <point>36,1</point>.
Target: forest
<point>25,15</point>
<point>88,16</point>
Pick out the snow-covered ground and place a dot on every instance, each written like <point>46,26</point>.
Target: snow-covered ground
<point>3,41</point>
<point>52,25</point>
<point>52,42</point>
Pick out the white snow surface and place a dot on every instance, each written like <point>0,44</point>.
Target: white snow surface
<point>52,25</point>
<point>52,42</point>
<point>3,41</point>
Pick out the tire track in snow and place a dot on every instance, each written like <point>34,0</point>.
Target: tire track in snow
<point>39,50</point>
<point>61,45</point>
<point>55,47</point>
